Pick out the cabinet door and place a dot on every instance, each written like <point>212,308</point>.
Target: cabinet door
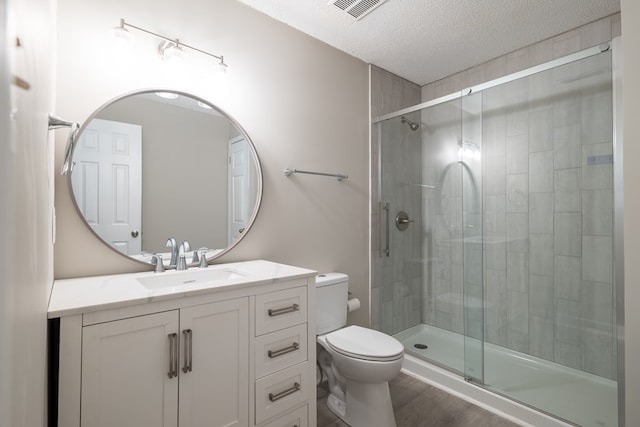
<point>125,366</point>
<point>215,346</point>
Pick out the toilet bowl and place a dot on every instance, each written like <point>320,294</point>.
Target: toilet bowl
<point>357,362</point>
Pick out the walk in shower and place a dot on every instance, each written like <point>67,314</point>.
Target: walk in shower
<point>496,232</point>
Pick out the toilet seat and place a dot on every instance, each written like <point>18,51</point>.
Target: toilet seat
<point>364,343</point>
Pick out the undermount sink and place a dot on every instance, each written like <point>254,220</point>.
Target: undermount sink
<point>190,277</point>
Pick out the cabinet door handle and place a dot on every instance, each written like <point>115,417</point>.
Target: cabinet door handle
<point>188,350</point>
<point>173,355</point>
<point>284,310</point>
<point>275,353</point>
<point>284,393</point>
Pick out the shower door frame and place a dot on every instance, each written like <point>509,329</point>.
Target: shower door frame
<point>377,205</point>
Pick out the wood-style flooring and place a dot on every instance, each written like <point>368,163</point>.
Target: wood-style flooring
<point>417,404</point>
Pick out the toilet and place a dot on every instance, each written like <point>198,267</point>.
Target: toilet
<point>357,362</point>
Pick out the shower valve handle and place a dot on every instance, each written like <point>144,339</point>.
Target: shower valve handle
<point>402,221</point>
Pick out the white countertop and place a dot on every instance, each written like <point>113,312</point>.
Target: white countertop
<point>88,294</point>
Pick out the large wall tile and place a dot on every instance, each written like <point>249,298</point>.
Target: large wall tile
<point>541,171</point>
<point>567,239</point>
<point>567,275</point>
<point>597,259</point>
<point>567,188</point>
<point>541,213</point>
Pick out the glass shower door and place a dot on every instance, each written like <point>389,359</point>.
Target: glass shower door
<point>550,330</point>
<point>431,266</point>
<point>470,154</point>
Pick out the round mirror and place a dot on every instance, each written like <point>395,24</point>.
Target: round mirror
<point>156,167</point>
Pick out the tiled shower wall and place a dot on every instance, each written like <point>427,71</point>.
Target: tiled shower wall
<point>548,281</point>
<point>394,292</point>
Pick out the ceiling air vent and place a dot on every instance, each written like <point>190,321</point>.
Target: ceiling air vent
<point>357,8</point>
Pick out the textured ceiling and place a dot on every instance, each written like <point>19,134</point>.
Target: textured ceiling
<point>426,40</point>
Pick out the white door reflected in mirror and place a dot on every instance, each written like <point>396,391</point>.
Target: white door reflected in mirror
<point>107,182</point>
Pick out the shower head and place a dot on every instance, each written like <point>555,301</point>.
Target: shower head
<point>413,125</point>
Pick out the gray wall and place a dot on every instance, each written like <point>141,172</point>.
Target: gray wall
<point>26,192</point>
<point>281,88</point>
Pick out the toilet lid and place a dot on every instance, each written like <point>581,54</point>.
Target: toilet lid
<point>364,343</point>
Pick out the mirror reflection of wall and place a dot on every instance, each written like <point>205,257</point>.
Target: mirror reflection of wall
<point>184,171</point>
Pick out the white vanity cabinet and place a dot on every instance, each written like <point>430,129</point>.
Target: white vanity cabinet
<point>122,366</point>
<point>236,354</point>
<point>214,377</point>
<point>133,370</point>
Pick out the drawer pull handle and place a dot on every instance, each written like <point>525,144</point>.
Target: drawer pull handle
<point>284,310</point>
<point>275,353</point>
<point>284,393</point>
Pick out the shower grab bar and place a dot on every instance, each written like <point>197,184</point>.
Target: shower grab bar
<point>55,123</point>
<point>386,208</point>
<point>340,176</point>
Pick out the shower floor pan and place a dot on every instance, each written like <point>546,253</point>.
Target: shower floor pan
<point>578,397</point>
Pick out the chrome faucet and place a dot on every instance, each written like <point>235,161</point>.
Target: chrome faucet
<point>171,242</point>
<point>156,260</point>
<point>182,259</point>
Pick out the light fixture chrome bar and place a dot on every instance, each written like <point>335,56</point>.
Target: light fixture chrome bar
<point>340,176</point>
<point>176,41</point>
<point>501,80</point>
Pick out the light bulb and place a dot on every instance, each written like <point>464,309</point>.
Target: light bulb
<point>222,68</point>
<point>173,64</point>
<point>121,40</point>
<point>171,52</point>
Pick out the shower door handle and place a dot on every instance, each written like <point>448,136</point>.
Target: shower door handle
<point>386,208</point>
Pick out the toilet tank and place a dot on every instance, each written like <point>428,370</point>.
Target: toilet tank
<point>332,293</point>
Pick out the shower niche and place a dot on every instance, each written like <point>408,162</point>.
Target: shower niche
<point>506,274</point>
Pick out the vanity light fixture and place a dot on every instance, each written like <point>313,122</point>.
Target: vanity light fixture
<point>169,49</point>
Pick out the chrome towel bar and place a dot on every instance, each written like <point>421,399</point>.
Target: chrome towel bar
<point>340,176</point>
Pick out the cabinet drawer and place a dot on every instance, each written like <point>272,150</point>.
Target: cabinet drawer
<point>280,349</point>
<point>282,391</point>
<point>280,310</point>
<point>297,418</point>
